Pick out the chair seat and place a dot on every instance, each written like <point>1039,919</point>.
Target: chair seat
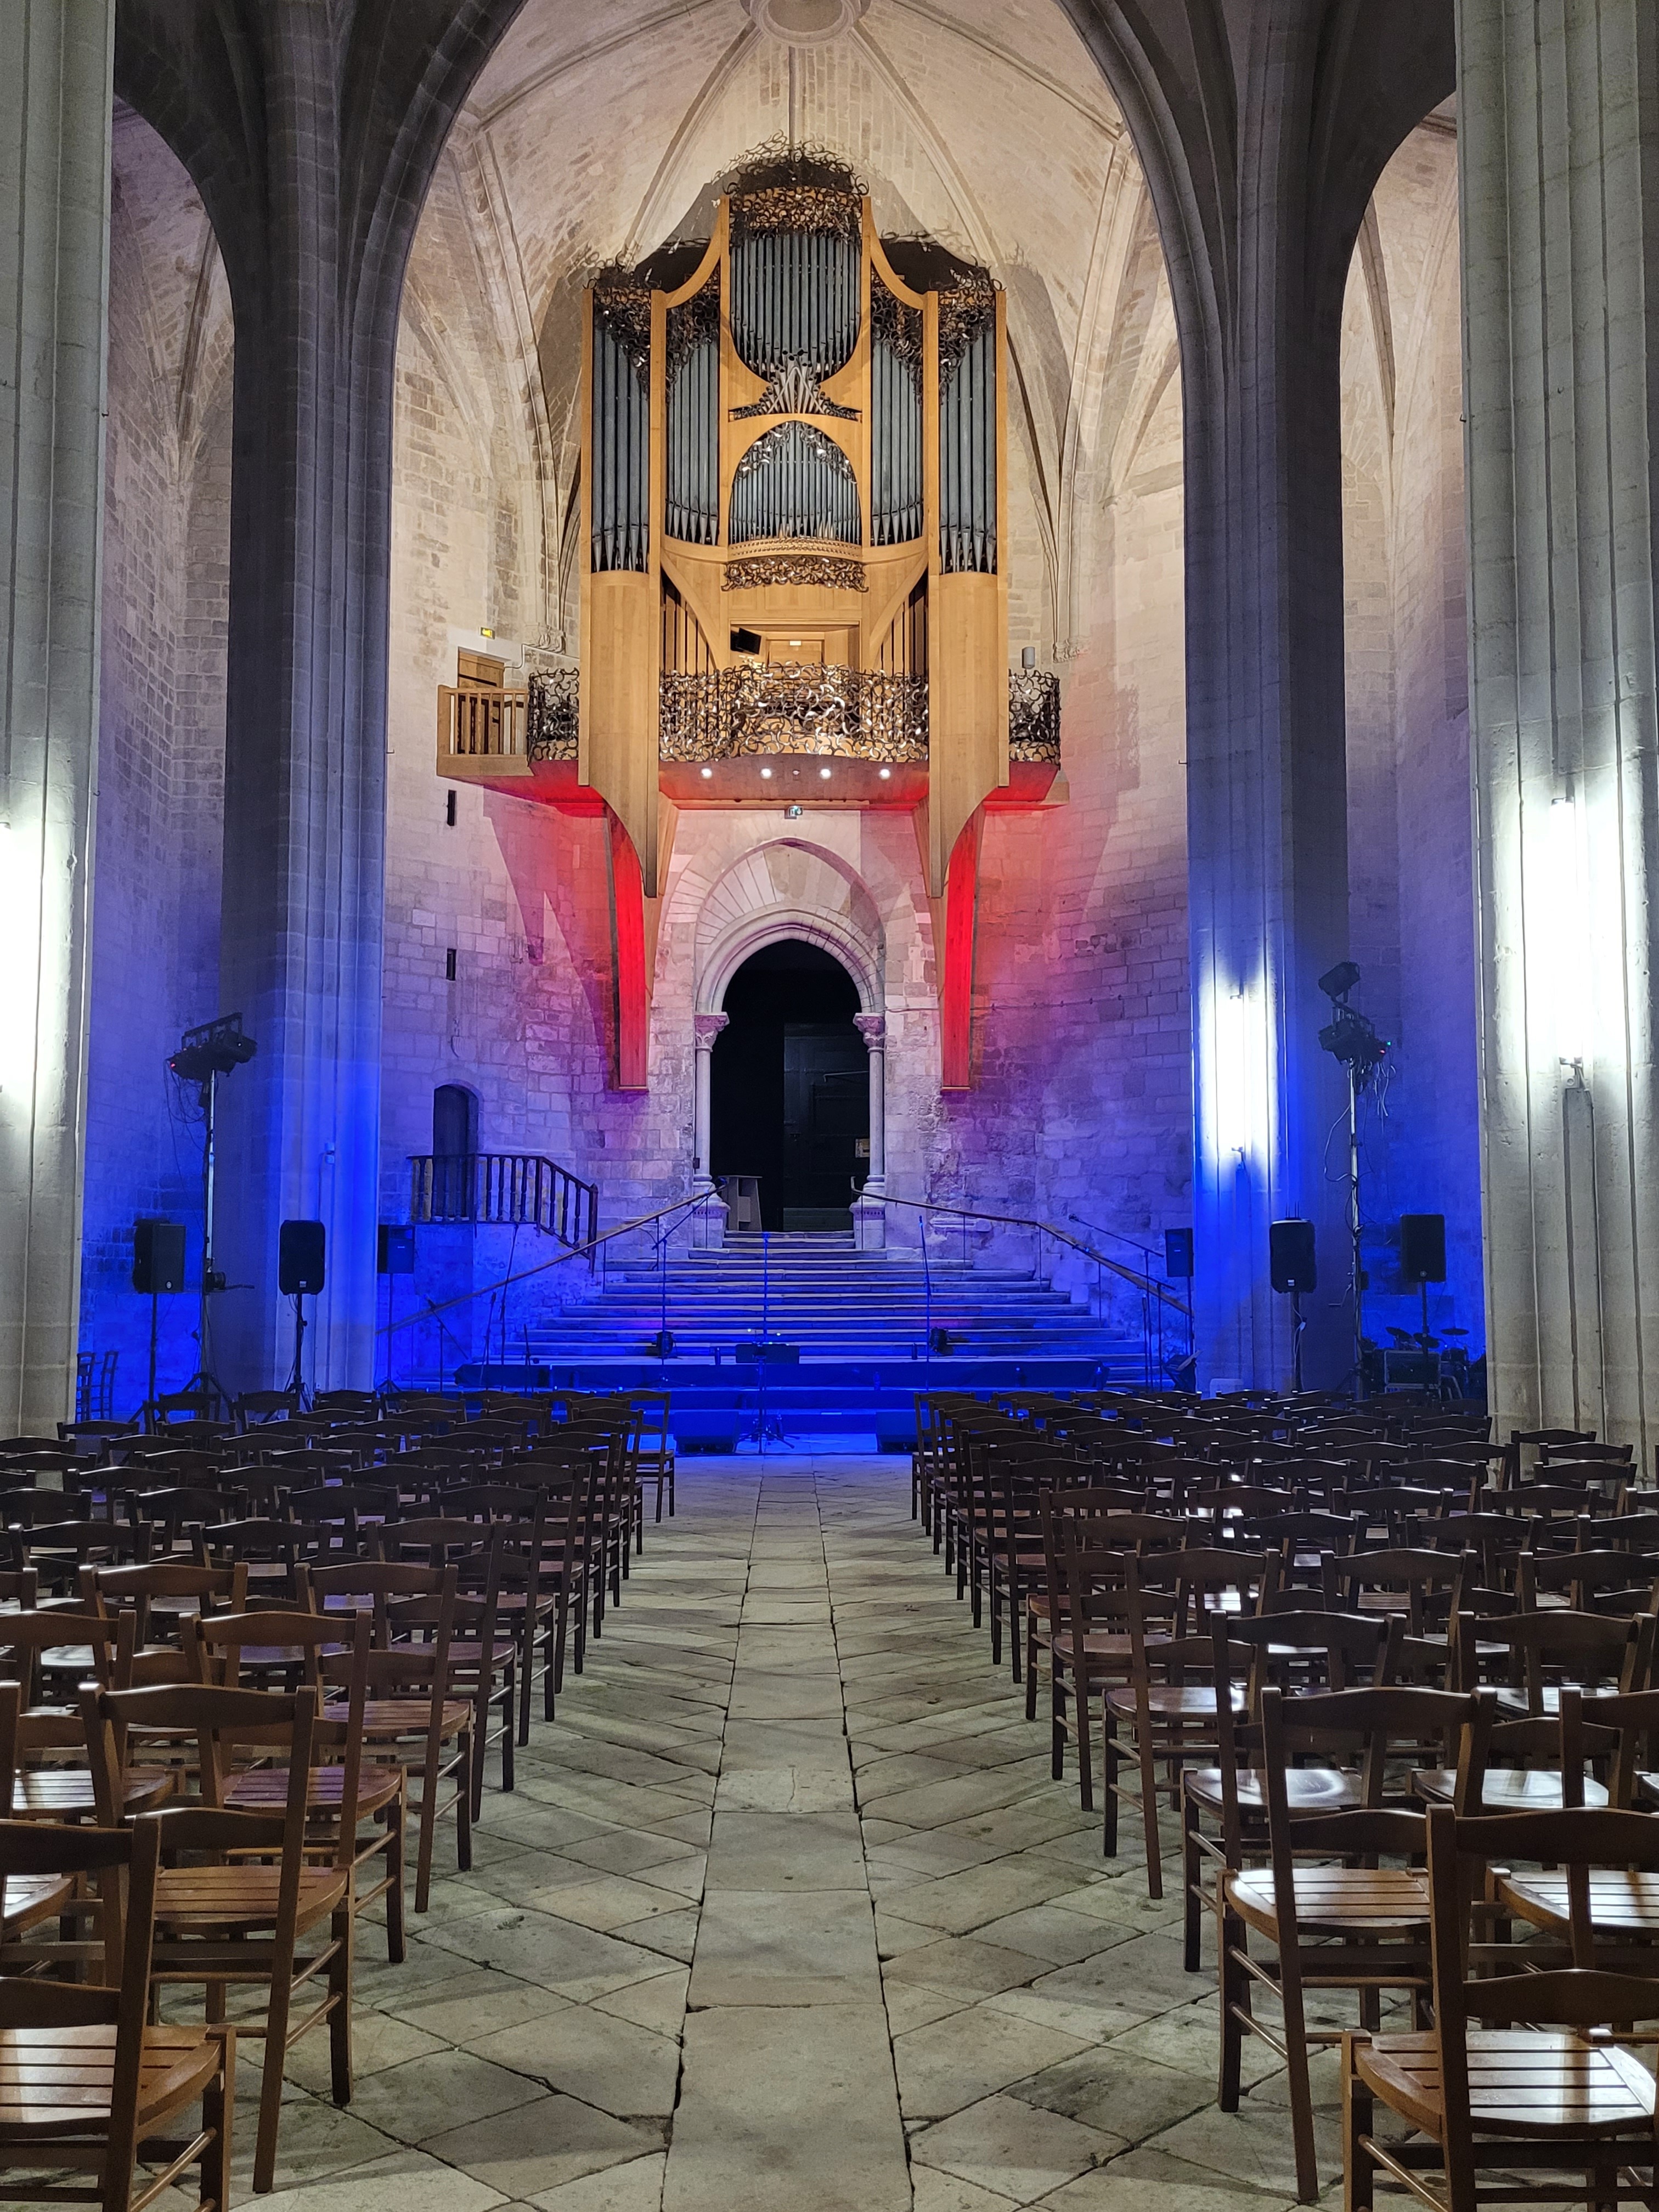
<point>264,1788</point>
<point>1336,1900</point>
<point>468,1654</point>
<point>65,1793</point>
<point>57,2081</point>
<point>241,1896</point>
<point>1521,2083</point>
<point>385,1718</point>
<point>1171,1701</point>
<point>32,1898</point>
<point>1308,1790</point>
<point>1099,1643</point>
<point>1507,1789</point>
<point>1620,1904</point>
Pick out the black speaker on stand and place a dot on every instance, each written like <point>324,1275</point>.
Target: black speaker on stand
<point>1291,1266</point>
<point>299,1246</point>
<point>158,1265</point>
<point>1423,1258</point>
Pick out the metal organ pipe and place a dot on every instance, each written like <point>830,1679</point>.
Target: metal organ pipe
<point>621,419</point>
<point>796,297</point>
<point>795,483</point>
<point>968,457</point>
<point>895,442</point>
<point>694,434</point>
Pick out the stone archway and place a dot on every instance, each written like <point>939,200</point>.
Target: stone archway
<point>784,889</point>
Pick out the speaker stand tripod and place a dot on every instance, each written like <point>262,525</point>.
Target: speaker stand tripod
<point>1296,1326</point>
<point>154,1323</point>
<point>295,1384</point>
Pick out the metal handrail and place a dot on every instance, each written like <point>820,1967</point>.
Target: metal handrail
<point>1142,1281</point>
<point>428,1312</point>
<point>519,1190</point>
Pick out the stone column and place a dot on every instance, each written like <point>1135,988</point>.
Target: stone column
<point>869,1214</point>
<point>705,1029</point>
<point>311,133</point>
<point>55,98</point>
<point>1558,119</point>
<point>872,1028</point>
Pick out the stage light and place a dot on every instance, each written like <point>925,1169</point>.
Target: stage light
<point>707,773</point>
<point>825,773</point>
<point>1235,1078</point>
<point>1565,965</point>
<point>766,775</point>
<point>886,774</point>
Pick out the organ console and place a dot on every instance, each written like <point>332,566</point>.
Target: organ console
<point>793,548</point>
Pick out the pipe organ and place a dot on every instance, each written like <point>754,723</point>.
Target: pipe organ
<point>793,492</point>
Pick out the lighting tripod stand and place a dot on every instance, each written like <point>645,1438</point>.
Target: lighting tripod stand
<point>203,1055</point>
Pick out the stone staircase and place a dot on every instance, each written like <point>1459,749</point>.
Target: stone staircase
<point>866,1325</point>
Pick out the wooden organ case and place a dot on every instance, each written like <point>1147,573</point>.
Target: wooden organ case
<point>793,572</point>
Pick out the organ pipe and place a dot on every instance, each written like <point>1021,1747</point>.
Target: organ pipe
<point>694,421</point>
<point>795,483</point>
<point>796,296</point>
<point>967,456</point>
<point>621,459</point>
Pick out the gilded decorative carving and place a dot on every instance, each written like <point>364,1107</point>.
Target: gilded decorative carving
<point>625,304</point>
<point>552,721</point>
<point>901,325</point>
<point>1034,716</point>
<point>795,390</point>
<point>755,708</point>
<point>791,187</point>
<point>822,571</point>
<point>965,306</point>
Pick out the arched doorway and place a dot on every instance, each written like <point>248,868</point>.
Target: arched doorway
<point>790,1087</point>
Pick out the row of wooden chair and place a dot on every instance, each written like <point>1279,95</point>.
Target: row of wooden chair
<point>1346,1724</point>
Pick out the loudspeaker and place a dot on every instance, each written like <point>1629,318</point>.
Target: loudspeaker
<point>300,1258</point>
<point>396,1253</point>
<point>1178,1255</point>
<point>1291,1255</point>
<point>1423,1247</point>
<point>158,1256</point>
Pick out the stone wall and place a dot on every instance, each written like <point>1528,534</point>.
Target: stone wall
<point>154,950</point>
<point>1411,864</point>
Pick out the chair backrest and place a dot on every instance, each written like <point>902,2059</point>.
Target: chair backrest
<point>1583,1648</point>
<point>128,1860</point>
<point>1582,1995</point>
<point>136,1589</point>
<point>278,1723</point>
<point>26,1637</point>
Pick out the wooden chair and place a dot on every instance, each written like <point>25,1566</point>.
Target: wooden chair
<point>228,1919</point>
<point>412,1715</point>
<point>356,1811</point>
<point>87,2087</point>
<point>1161,1714</point>
<point>1344,1649</point>
<point>655,1465</point>
<point>1355,1925</point>
<point>1522,2091</point>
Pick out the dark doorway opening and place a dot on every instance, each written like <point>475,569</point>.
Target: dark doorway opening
<point>790,1087</point>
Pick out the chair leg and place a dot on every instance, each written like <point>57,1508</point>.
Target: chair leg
<point>1192,1868</point>
<point>270,2085</point>
<point>1030,1664</point>
<point>1357,2169</point>
<point>473,1751</point>
<point>1231,1941</point>
<point>1298,2082</point>
<point>1112,1755</point>
<point>339,2021</point>
<point>1149,1812</point>
<point>397,1819</point>
<point>1056,1717</point>
<point>217,2107</point>
<point>426,1831</point>
<point>1016,1606</point>
<point>1082,1708</point>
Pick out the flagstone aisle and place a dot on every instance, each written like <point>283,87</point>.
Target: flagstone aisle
<point>786,1914</point>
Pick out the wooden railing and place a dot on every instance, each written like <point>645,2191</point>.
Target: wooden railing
<point>479,724</point>
<point>510,1189</point>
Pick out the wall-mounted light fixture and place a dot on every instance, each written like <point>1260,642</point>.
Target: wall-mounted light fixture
<point>1566,962</point>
